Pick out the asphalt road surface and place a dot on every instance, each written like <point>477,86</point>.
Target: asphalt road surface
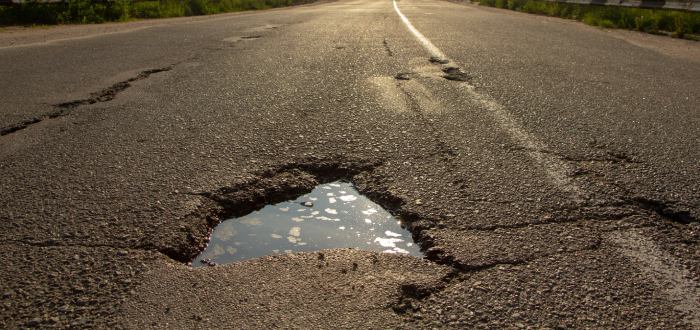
<point>549,169</point>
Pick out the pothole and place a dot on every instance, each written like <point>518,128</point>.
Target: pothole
<point>402,76</point>
<point>438,60</point>
<point>333,215</point>
<point>454,73</point>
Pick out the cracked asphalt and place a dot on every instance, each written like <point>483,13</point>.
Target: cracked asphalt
<point>548,169</point>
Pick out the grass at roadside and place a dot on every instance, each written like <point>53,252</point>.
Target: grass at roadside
<point>85,11</point>
<point>678,24</point>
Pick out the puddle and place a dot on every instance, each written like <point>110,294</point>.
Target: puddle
<point>332,216</point>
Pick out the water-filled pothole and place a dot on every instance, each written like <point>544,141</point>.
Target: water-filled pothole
<point>332,216</point>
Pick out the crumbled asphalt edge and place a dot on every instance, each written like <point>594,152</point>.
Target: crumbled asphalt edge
<point>412,294</point>
<point>250,192</point>
<point>104,95</point>
<point>455,73</point>
<point>253,191</point>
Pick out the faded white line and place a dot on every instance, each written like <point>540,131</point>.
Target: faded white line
<point>664,269</point>
<point>554,167</point>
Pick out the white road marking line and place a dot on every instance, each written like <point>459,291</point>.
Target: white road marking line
<point>665,270</point>
<point>429,45</point>
<point>553,166</point>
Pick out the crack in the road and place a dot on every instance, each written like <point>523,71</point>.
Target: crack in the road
<point>667,209</point>
<point>664,209</point>
<point>409,302</point>
<point>411,295</point>
<point>19,126</point>
<point>386,47</point>
<point>63,109</point>
<point>110,92</point>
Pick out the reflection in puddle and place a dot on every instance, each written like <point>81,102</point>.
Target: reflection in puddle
<point>339,218</point>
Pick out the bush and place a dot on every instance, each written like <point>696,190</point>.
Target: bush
<point>681,24</point>
<point>86,11</point>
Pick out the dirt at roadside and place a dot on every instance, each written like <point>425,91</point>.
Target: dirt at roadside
<point>21,35</point>
<point>18,35</point>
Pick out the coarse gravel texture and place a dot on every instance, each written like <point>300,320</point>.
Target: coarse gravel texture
<point>548,169</point>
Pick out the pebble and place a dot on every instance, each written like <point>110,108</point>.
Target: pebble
<point>79,322</point>
<point>65,309</point>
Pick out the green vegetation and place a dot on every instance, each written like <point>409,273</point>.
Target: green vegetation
<point>86,11</point>
<point>679,24</point>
